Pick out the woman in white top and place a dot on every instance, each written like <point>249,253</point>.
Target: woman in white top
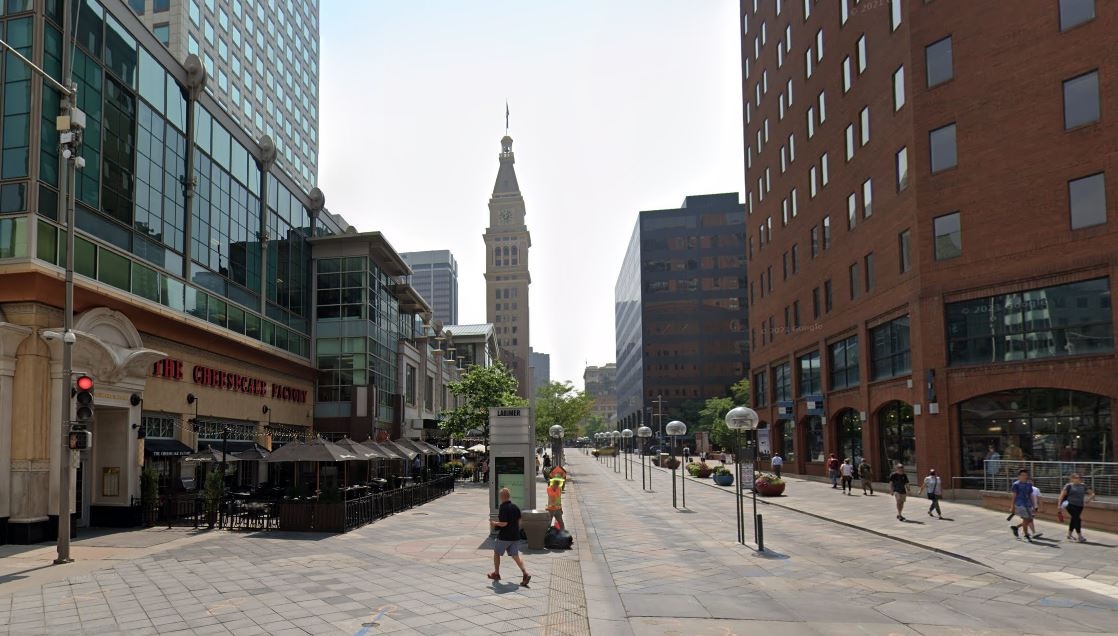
<point>933,485</point>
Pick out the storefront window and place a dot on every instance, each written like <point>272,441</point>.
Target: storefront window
<point>844,363</point>
<point>814,426</point>
<point>782,383</point>
<point>788,439</point>
<point>897,437</point>
<point>891,354</point>
<point>1063,320</point>
<point>810,381</point>
<point>1048,425</point>
<point>761,389</point>
<point>849,425</point>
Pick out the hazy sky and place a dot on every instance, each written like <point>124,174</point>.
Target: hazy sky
<point>617,106</point>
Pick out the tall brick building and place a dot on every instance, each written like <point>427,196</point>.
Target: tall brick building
<point>931,243</point>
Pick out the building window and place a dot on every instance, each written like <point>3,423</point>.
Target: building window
<point>760,388</point>
<point>822,99</point>
<point>796,314</point>
<point>195,13</point>
<point>784,263</point>
<point>937,61</point>
<point>162,33</point>
<point>865,128</point>
<point>948,236</point>
<point>810,122</point>
<point>902,169</point>
<point>895,11</point>
<point>852,211</point>
<point>782,383</point>
<point>1087,201</point>
<point>843,363</point>
<point>808,66</point>
<point>137,6</point>
<point>849,142</point>
<point>807,9</point>
<point>844,12</point>
<point>942,144</point>
<point>855,281</point>
<point>815,303</point>
<point>824,173</point>
<point>828,297</point>
<point>819,45</point>
<point>871,274</point>
<point>814,241</point>
<point>1062,320</point>
<point>862,55</point>
<point>809,372</point>
<point>813,187</point>
<point>795,258</point>
<point>160,6</point>
<point>904,240</point>
<point>898,89</point>
<point>890,351</point>
<point>409,384</point>
<point>1081,100</point>
<point>1076,12</point>
<point>826,232</point>
<point>846,74</point>
<point>867,198</point>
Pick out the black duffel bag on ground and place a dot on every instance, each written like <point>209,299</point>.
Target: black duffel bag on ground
<point>557,539</point>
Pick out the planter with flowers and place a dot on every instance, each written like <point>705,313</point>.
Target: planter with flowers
<point>722,476</point>
<point>699,469</point>
<point>769,485</point>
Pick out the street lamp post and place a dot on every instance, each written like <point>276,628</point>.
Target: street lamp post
<point>738,419</point>
<point>616,437</point>
<point>556,433</point>
<point>627,436</point>
<point>643,433</point>
<point>674,430</point>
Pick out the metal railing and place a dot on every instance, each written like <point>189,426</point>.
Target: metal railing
<point>1050,477</point>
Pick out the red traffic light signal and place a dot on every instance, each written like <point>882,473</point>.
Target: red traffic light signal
<point>83,394</point>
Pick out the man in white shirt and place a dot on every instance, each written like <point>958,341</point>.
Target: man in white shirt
<point>777,463</point>
<point>933,485</point>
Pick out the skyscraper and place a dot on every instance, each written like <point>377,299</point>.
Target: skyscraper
<point>931,240</point>
<point>261,57</point>
<point>680,313</point>
<point>435,277</point>
<point>541,369</point>
<point>506,271</point>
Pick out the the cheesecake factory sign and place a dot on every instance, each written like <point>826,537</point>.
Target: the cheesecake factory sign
<point>172,369</point>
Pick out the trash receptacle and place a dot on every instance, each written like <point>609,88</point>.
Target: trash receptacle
<point>535,524</point>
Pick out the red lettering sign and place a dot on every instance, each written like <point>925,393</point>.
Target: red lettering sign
<point>172,369</point>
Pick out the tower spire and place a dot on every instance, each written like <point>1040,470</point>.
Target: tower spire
<point>506,118</point>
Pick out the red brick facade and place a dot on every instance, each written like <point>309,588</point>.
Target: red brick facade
<point>1010,187</point>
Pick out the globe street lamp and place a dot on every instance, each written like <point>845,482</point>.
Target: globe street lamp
<point>556,433</point>
<point>674,429</point>
<point>738,419</point>
<point>627,436</point>
<point>643,433</point>
<point>598,446</point>
<point>616,437</point>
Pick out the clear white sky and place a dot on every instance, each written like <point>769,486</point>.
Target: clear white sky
<point>617,106</point>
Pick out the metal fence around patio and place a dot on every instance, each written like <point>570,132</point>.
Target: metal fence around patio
<point>1050,477</point>
<point>300,515</point>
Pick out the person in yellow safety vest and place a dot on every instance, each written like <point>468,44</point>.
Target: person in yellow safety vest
<point>559,473</point>
<point>555,500</point>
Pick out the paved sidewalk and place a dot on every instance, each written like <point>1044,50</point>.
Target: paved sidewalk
<point>967,530</point>
<point>682,572</point>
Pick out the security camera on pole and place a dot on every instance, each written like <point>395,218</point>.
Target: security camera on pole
<point>738,419</point>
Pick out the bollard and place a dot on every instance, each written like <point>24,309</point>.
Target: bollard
<point>760,534</point>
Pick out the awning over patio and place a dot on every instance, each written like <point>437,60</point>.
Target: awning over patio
<point>417,446</point>
<point>365,451</point>
<point>317,450</point>
<point>398,451</point>
<point>157,447</point>
<point>210,454</point>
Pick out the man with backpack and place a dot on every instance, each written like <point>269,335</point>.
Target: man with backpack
<point>833,470</point>
<point>865,471</point>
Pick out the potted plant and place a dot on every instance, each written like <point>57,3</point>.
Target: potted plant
<point>149,495</point>
<point>722,476</point>
<point>211,496</point>
<point>769,485</point>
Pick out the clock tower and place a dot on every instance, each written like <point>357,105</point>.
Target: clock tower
<point>506,269</point>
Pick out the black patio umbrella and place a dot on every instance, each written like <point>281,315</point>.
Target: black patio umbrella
<point>255,454</point>
<point>398,451</point>
<point>317,450</point>
<point>210,454</point>
<point>368,451</point>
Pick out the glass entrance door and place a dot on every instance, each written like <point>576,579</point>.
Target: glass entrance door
<point>896,431</point>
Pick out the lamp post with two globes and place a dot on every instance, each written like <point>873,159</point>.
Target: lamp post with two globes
<point>738,419</point>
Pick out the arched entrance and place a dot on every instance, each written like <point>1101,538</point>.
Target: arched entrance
<point>848,429</point>
<point>1033,424</point>
<point>896,432</point>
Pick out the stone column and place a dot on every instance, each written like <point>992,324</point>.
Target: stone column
<point>33,405</point>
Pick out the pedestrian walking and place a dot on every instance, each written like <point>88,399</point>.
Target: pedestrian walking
<point>1075,496</point>
<point>898,483</point>
<point>833,470</point>
<point>865,471</point>
<point>1036,511</point>
<point>555,501</point>
<point>508,538</point>
<point>847,470</point>
<point>686,455</point>
<point>777,464</point>
<point>933,485</point>
<point>1023,504</point>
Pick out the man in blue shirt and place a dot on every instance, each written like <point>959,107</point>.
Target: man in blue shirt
<point>1023,503</point>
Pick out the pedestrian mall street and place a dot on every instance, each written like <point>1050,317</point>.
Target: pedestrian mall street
<point>638,566</point>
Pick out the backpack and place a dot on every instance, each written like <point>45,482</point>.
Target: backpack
<point>557,539</point>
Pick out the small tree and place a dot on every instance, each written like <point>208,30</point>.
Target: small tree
<point>482,388</point>
<point>713,415</point>
<point>593,424</point>
<point>562,404</point>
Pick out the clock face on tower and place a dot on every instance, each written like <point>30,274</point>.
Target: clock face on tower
<point>506,215</point>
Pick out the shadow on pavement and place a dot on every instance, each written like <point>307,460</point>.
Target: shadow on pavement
<point>919,523</point>
<point>290,536</point>
<point>15,576</point>
<point>505,588</point>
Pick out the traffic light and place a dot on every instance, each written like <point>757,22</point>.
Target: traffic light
<point>80,440</point>
<point>83,393</point>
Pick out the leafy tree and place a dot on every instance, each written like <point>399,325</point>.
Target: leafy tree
<point>482,388</point>
<point>593,424</point>
<point>562,404</point>
<point>713,415</point>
